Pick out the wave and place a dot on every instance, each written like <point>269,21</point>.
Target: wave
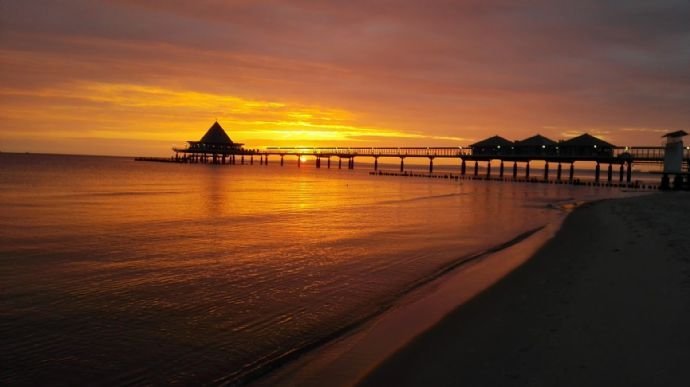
<point>420,198</point>
<point>120,193</point>
<point>253,371</point>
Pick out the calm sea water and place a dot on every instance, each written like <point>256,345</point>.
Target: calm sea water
<point>117,272</point>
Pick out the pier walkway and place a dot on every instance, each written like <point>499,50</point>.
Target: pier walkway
<point>622,157</point>
<point>216,147</point>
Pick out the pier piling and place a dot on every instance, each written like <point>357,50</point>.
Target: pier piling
<point>559,170</point>
<point>609,174</point>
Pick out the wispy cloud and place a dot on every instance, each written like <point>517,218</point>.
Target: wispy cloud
<point>152,112</point>
<point>644,130</point>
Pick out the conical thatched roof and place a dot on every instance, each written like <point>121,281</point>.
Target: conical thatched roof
<point>586,140</point>
<point>492,142</point>
<point>216,135</point>
<point>537,140</point>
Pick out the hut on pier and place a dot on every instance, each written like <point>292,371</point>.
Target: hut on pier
<point>536,145</point>
<point>585,145</point>
<point>493,146</point>
<point>215,144</point>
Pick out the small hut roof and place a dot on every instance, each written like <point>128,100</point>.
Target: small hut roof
<point>492,142</point>
<point>537,140</point>
<point>216,135</point>
<point>678,133</point>
<point>586,140</point>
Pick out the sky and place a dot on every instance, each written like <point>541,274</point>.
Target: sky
<point>134,77</point>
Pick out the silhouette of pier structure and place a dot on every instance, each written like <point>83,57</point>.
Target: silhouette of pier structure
<point>558,157</point>
<point>554,155</point>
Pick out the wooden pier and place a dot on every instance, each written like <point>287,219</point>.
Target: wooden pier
<point>558,158</point>
<point>621,157</point>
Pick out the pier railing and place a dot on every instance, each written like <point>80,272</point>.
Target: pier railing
<point>636,153</point>
<point>374,151</point>
<point>644,153</point>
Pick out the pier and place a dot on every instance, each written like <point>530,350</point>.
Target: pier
<point>558,158</point>
<point>612,163</point>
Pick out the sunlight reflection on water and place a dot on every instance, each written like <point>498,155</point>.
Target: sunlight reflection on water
<point>120,272</point>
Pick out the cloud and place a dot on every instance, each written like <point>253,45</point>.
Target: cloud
<point>644,130</point>
<point>445,71</point>
<point>132,111</point>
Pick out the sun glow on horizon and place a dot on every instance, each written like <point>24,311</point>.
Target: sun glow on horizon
<point>157,114</point>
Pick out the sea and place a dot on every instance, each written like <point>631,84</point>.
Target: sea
<point>117,272</point>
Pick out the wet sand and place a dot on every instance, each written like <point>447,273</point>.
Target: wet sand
<point>349,358</point>
<point>605,302</point>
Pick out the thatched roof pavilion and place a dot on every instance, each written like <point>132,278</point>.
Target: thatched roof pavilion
<point>215,145</point>
<point>215,141</point>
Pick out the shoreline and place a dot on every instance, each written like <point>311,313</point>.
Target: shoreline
<point>603,302</point>
<point>345,359</point>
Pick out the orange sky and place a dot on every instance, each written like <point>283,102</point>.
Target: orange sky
<point>128,77</point>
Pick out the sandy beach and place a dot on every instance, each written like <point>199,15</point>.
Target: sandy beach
<point>605,302</point>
